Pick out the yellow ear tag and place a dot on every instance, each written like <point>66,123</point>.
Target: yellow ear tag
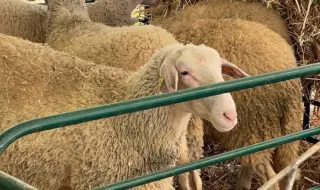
<point>160,81</point>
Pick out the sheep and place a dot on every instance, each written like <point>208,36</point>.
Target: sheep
<point>33,17</point>
<point>258,50</point>
<point>107,150</point>
<point>222,9</point>
<point>70,30</point>
<point>22,19</point>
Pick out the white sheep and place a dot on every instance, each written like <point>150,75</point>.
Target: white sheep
<point>257,49</point>
<point>109,150</point>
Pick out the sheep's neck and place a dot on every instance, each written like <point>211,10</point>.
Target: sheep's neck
<point>157,129</point>
<point>64,14</point>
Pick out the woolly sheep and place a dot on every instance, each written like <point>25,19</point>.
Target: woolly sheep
<point>258,50</point>
<point>222,9</point>
<point>70,30</point>
<point>121,65</point>
<point>99,12</point>
<point>131,58</point>
<point>107,150</point>
<point>21,19</point>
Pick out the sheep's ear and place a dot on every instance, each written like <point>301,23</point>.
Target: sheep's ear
<point>168,81</point>
<point>232,70</point>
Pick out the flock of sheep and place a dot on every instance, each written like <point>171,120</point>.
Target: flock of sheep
<point>69,56</point>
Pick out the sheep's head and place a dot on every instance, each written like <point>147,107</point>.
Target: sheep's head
<point>188,66</point>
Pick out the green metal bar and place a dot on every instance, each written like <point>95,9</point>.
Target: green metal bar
<point>315,188</point>
<point>205,162</point>
<point>81,116</point>
<point>10,182</point>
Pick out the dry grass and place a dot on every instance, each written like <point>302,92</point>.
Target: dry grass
<point>303,21</point>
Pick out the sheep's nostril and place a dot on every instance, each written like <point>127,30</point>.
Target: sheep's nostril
<point>231,116</point>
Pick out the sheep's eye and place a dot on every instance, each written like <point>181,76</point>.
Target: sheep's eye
<point>184,72</point>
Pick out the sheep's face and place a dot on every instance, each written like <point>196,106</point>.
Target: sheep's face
<point>192,66</point>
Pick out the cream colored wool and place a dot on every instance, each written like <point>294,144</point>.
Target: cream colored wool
<point>21,19</point>
<point>70,30</point>
<point>25,20</point>
<point>227,9</point>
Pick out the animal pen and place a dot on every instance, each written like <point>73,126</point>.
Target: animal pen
<point>72,118</point>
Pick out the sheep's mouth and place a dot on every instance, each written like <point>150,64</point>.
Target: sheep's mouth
<point>222,125</point>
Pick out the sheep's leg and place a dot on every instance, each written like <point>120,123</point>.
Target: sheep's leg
<point>245,177</point>
<point>191,149</point>
<point>271,173</point>
<point>188,180</point>
<point>164,184</point>
<point>266,172</point>
<point>196,182</point>
<point>285,155</point>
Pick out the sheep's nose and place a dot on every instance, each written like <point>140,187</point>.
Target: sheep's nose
<point>230,116</point>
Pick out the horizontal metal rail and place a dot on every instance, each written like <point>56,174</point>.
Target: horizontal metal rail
<point>9,182</point>
<point>205,162</point>
<point>90,114</point>
<point>315,188</point>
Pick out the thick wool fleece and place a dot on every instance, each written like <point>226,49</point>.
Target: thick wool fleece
<point>264,112</point>
<point>41,81</point>
<point>225,9</point>
<point>21,19</point>
<point>70,30</point>
<point>110,12</point>
<point>28,21</point>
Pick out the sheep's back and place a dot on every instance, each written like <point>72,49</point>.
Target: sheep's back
<point>222,9</point>
<point>21,19</point>
<point>123,47</point>
<point>37,78</point>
